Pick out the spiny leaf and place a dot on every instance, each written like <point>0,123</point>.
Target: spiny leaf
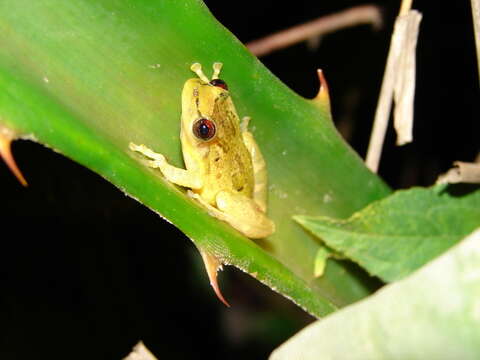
<point>86,78</point>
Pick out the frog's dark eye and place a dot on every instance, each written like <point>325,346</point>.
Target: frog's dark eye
<point>220,83</point>
<point>204,129</point>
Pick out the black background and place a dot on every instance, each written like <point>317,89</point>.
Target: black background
<point>86,271</point>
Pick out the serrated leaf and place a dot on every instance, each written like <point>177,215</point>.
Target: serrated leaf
<point>393,237</point>
<point>87,77</point>
<point>433,314</point>
<point>321,260</point>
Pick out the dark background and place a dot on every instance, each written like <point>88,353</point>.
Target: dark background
<point>86,271</point>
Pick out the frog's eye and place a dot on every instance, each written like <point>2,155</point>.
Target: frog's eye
<point>220,83</point>
<point>204,129</point>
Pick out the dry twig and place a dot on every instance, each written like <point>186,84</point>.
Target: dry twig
<point>365,14</point>
<point>476,28</point>
<point>462,172</point>
<point>398,81</point>
<point>140,352</point>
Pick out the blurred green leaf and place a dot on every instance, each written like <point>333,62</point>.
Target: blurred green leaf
<point>433,314</point>
<point>392,237</point>
<point>87,77</point>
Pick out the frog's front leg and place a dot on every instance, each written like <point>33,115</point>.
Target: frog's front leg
<point>241,212</point>
<point>182,177</point>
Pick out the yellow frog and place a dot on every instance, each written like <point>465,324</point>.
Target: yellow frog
<point>225,169</point>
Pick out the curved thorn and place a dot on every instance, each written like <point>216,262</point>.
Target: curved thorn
<point>6,154</point>
<point>323,94</point>
<point>212,265</point>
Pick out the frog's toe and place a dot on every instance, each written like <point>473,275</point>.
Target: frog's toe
<point>133,147</point>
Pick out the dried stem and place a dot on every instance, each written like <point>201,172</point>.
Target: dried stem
<point>405,7</point>
<point>365,14</point>
<point>140,352</point>
<point>384,105</point>
<point>476,27</point>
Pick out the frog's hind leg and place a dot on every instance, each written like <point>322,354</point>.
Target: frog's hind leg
<point>244,215</point>
<point>240,212</point>
<point>212,211</point>
<point>259,167</point>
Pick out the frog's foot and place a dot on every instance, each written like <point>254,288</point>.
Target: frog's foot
<point>142,149</point>
<point>158,160</point>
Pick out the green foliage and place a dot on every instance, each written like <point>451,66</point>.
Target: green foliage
<point>392,237</point>
<point>432,314</point>
<point>87,77</point>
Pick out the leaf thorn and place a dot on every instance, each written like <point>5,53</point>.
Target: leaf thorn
<point>323,96</point>
<point>212,265</point>
<point>6,154</point>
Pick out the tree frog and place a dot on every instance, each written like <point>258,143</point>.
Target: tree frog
<point>225,170</point>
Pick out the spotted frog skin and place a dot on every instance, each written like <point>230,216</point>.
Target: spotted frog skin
<point>225,170</point>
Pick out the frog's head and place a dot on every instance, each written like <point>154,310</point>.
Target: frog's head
<point>200,98</point>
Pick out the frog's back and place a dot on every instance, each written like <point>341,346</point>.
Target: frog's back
<point>228,164</point>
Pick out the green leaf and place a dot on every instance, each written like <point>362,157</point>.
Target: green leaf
<point>392,237</point>
<point>87,77</point>
<point>433,314</point>
<point>321,261</point>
